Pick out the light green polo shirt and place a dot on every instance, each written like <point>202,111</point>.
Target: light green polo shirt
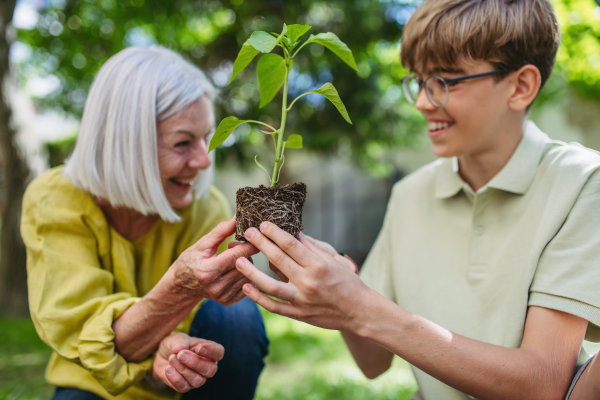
<point>473,262</point>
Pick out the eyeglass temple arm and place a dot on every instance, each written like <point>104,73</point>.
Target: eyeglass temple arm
<point>464,78</point>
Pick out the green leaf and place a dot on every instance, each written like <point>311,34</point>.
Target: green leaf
<point>329,91</point>
<point>288,43</point>
<point>294,142</point>
<point>225,128</point>
<point>333,43</point>
<point>246,55</point>
<point>295,31</point>
<point>271,74</point>
<point>265,42</point>
<point>263,168</point>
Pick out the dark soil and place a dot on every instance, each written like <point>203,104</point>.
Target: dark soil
<point>279,205</point>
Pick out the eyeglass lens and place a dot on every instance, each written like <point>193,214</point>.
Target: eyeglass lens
<point>435,87</point>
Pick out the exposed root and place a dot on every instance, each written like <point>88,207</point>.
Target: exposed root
<point>279,205</point>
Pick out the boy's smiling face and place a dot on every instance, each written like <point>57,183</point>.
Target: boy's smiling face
<point>473,119</point>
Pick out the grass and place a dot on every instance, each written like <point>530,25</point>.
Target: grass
<point>304,362</point>
<point>23,360</point>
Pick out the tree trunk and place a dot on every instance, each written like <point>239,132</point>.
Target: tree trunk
<point>13,274</point>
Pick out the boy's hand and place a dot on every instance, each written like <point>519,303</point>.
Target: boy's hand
<point>325,248</point>
<point>323,289</point>
<point>184,362</point>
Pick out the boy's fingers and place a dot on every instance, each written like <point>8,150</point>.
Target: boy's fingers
<point>346,262</point>
<point>286,242</point>
<point>269,285</point>
<point>317,250</point>
<point>280,274</point>
<point>269,304</point>
<point>326,247</point>
<point>274,254</point>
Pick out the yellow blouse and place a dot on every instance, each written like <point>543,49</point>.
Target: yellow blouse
<point>82,275</point>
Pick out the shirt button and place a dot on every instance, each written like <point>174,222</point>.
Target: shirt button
<point>479,230</point>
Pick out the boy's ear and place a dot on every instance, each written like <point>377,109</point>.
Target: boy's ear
<point>526,85</point>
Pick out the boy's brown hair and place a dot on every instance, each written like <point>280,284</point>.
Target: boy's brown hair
<point>507,33</point>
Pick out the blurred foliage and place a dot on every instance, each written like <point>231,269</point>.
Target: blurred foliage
<point>304,362</point>
<point>578,58</point>
<point>59,150</point>
<point>72,39</point>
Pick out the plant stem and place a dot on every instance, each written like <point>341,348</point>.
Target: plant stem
<point>262,123</point>
<point>278,151</point>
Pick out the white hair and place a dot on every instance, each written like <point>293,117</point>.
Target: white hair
<point>116,157</point>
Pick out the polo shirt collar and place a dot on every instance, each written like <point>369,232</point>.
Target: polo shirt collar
<point>516,176</point>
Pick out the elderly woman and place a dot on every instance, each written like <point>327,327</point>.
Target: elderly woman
<point>128,254</point>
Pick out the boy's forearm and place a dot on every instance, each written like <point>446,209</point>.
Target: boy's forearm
<point>371,358</point>
<point>479,369</point>
<point>139,330</point>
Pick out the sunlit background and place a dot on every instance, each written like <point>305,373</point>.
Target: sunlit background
<point>57,46</point>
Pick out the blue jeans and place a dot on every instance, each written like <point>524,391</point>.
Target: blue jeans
<point>240,330</point>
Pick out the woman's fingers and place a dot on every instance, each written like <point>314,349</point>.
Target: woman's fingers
<point>227,258</point>
<point>208,349</point>
<point>269,304</point>
<point>201,365</point>
<point>281,290</point>
<point>176,380</point>
<point>214,238</point>
<point>234,293</point>
<point>177,342</point>
<point>191,377</point>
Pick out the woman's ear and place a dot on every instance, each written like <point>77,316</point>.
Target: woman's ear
<point>526,83</point>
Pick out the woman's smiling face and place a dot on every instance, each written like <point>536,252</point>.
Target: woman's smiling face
<point>183,141</point>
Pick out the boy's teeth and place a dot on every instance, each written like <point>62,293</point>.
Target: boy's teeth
<point>434,126</point>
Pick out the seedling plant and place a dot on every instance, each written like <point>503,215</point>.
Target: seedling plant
<point>273,72</point>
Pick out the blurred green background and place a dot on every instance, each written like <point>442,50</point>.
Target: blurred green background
<point>57,46</point>
<point>304,363</point>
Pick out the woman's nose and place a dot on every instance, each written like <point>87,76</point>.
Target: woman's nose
<point>199,158</point>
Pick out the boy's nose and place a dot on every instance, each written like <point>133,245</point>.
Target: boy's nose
<point>423,103</point>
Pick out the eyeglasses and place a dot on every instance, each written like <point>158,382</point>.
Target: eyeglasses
<point>436,87</point>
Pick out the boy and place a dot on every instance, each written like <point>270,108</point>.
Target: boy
<point>485,274</point>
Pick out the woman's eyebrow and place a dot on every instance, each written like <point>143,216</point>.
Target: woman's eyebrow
<point>190,134</point>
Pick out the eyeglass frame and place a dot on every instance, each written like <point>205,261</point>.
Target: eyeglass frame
<point>447,83</point>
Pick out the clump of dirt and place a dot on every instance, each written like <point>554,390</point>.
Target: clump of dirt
<point>279,205</point>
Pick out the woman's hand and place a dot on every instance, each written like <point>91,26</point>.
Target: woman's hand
<point>201,272</point>
<point>183,362</point>
<point>323,289</point>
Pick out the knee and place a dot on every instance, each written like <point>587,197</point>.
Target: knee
<point>240,324</point>
<point>249,321</point>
